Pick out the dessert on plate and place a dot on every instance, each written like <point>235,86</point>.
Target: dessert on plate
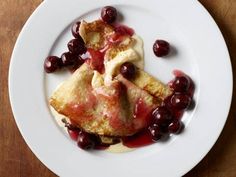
<point>109,98</point>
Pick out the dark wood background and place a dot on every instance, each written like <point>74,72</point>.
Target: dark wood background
<point>16,159</point>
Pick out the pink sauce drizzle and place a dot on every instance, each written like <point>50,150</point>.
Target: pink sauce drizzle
<point>142,114</point>
<point>96,59</point>
<point>123,30</point>
<point>140,139</point>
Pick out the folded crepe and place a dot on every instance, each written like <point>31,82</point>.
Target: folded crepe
<point>121,108</point>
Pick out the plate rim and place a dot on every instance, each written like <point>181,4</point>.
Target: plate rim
<point>44,3</point>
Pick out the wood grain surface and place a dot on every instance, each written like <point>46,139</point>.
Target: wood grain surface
<point>17,160</point>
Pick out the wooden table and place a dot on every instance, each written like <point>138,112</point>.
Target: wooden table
<point>16,159</point>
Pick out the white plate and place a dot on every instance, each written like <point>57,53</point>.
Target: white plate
<point>201,53</point>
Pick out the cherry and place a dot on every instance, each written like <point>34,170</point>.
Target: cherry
<point>155,132</point>
<point>180,101</point>
<point>75,31</point>
<point>162,116</point>
<point>161,48</point>
<point>181,84</point>
<point>68,59</point>
<point>128,70</point>
<point>86,141</point>
<point>77,64</point>
<point>175,126</point>
<point>75,46</point>
<point>109,14</point>
<point>51,64</point>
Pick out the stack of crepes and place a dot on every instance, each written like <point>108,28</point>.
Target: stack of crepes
<point>105,103</point>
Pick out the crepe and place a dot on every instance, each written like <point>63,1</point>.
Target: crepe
<point>107,104</point>
<point>120,109</point>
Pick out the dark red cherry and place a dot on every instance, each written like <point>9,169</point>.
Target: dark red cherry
<point>128,70</point>
<point>108,14</point>
<point>161,48</point>
<point>75,31</point>
<point>180,101</point>
<point>181,84</point>
<point>77,64</point>
<point>175,126</point>
<point>51,64</point>
<point>69,59</point>
<point>86,141</point>
<point>75,46</point>
<point>155,132</point>
<point>162,116</point>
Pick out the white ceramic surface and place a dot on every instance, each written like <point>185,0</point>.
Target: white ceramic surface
<point>199,50</point>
